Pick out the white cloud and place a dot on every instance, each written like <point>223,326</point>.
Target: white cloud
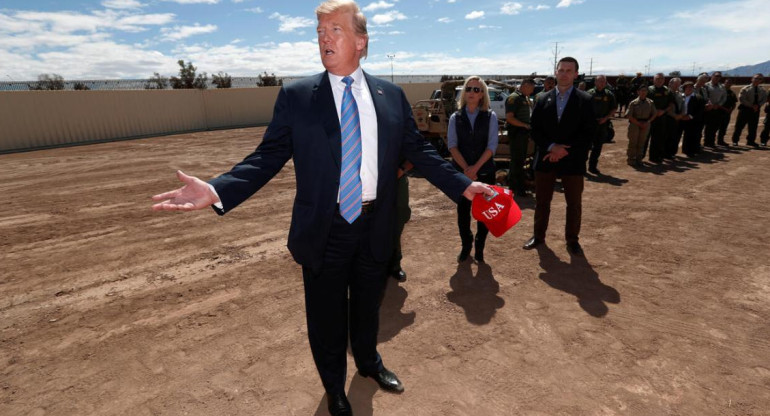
<point>238,1</point>
<point>511,8</point>
<point>378,5</point>
<point>567,3</point>
<point>539,7</point>
<point>181,32</point>
<point>476,14</point>
<point>291,23</point>
<point>445,20</point>
<point>122,4</point>
<point>490,27</point>
<point>451,1</point>
<point>255,10</point>
<point>385,18</point>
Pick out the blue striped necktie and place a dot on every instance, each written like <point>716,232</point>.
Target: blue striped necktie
<point>350,179</point>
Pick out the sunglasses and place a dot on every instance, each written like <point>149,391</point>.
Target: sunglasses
<point>474,89</point>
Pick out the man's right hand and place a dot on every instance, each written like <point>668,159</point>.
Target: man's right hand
<point>557,152</point>
<point>195,194</point>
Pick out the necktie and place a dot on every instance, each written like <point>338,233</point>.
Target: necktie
<point>756,95</point>
<point>350,179</point>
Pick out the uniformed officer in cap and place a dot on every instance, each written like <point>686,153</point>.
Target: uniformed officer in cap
<point>604,104</point>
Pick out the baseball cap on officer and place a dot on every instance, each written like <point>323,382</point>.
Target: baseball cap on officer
<point>499,212</point>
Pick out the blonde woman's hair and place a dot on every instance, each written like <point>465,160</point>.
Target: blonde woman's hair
<point>484,103</point>
<point>347,6</point>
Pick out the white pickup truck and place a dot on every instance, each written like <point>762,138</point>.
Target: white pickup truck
<point>496,99</point>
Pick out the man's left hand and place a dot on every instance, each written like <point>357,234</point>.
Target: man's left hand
<point>477,188</point>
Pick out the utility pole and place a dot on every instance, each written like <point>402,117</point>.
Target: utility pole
<point>647,68</point>
<point>391,56</point>
<point>591,67</point>
<point>693,69</point>
<point>555,55</point>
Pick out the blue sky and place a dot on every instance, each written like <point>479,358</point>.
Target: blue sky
<point>95,39</point>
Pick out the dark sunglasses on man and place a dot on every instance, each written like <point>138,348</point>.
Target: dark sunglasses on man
<point>474,89</point>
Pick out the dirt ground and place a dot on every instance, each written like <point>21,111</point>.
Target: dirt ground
<point>108,308</point>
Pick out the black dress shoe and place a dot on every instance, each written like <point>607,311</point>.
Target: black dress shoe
<point>338,405</point>
<point>399,274</point>
<point>574,248</point>
<point>594,170</point>
<point>532,243</point>
<point>387,380</point>
<point>464,253</point>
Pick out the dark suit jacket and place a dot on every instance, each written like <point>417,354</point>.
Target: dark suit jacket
<point>576,128</point>
<point>305,127</point>
<point>696,107</point>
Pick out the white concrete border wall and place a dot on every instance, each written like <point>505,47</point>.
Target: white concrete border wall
<point>41,119</point>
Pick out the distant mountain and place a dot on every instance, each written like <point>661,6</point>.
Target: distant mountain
<point>749,70</point>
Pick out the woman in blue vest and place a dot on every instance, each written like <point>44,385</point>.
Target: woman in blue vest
<point>472,141</point>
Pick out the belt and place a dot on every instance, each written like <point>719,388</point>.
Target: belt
<point>367,207</point>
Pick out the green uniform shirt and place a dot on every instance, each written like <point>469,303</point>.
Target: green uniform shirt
<point>603,102</point>
<point>661,97</point>
<point>519,105</point>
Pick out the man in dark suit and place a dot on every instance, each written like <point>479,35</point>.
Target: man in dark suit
<point>692,119</point>
<point>346,132</point>
<point>563,125</point>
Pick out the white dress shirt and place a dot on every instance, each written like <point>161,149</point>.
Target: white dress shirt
<point>368,118</point>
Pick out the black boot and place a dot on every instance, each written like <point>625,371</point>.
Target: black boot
<point>479,254</point>
<point>467,241</point>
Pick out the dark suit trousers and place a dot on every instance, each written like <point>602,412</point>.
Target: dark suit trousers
<point>750,117</point>
<point>658,138</point>
<point>691,141</point>
<point>674,137</point>
<point>713,120</point>
<point>573,192</point>
<point>345,293</point>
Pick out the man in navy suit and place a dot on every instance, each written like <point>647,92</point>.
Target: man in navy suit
<point>563,126</point>
<point>342,246</point>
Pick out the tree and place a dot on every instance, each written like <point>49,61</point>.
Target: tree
<point>80,86</point>
<point>222,80</point>
<point>49,82</point>
<point>157,82</point>
<point>675,74</point>
<point>271,80</point>
<point>187,78</point>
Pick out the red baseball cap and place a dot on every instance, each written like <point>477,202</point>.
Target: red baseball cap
<point>498,212</point>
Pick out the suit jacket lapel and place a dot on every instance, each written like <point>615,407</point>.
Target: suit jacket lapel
<point>325,108</point>
<point>381,109</point>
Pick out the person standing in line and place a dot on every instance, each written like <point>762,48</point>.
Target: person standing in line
<point>604,105</point>
<point>563,126</point>
<point>764,137</point>
<point>692,113</point>
<point>472,141</point>
<point>714,110</point>
<point>674,116</point>
<point>622,94</point>
<point>728,107</point>
<point>346,132</point>
<point>699,88</point>
<point>548,84</point>
<point>518,109</point>
<point>640,112</point>
<point>751,99</point>
<point>403,214</point>
<point>663,100</point>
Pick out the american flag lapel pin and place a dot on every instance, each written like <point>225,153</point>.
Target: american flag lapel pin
<point>379,91</point>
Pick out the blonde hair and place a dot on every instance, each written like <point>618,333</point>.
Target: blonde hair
<point>347,6</point>
<point>484,103</point>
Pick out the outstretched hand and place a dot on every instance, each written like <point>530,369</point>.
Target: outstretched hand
<point>195,194</point>
<point>477,188</point>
